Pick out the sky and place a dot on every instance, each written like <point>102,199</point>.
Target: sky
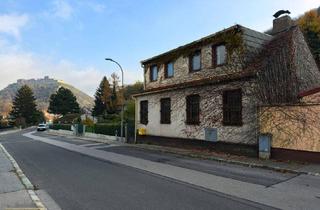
<point>69,39</point>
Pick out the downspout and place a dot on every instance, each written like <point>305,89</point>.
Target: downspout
<point>144,76</point>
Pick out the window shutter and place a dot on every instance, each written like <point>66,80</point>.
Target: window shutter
<point>214,56</point>
<point>193,109</point>
<point>232,107</point>
<point>166,70</point>
<point>144,112</point>
<point>165,111</point>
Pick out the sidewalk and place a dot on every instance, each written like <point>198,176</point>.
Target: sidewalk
<point>16,190</point>
<point>281,166</point>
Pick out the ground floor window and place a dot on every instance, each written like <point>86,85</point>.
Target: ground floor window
<point>193,109</point>
<point>165,111</point>
<point>144,112</point>
<point>232,107</point>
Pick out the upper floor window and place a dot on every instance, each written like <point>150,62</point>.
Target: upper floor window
<point>144,112</point>
<point>219,55</point>
<point>153,73</point>
<point>165,111</point>
<point>195,61</point>
<point>193,109</point>
<point>232,107</point>
<point>169,70</point>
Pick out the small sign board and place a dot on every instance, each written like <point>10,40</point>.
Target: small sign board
<point>211,134</point>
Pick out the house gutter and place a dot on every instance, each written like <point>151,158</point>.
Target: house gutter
<point>203,82</point>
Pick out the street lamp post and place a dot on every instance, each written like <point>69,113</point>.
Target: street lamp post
<point>122,105</point>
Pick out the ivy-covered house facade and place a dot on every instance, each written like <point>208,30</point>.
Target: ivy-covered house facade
<point>209,89</point>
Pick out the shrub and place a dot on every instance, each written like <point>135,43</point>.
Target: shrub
<point>61,127</point>
<point>88,122</point>
<point>67,119</point>
<point>109,118</point>
<point>4,124</point>
<point>90,129</point>
<point>108,129</point>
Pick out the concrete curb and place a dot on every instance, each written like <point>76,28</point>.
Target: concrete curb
<point>87,138</point>
<point>25,181</point>
<point>10,131</point>
<point>251,165</point>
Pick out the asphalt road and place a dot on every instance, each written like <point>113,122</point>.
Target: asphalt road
<point>78,182</point>
<point>242,173</point>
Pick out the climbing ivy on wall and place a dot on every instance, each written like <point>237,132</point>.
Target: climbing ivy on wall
<point>232,38</point>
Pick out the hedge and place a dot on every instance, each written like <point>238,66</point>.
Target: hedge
<point>107,129</point>
<point>60,127</point>
<point>89,129</point>
<point>6,127</point>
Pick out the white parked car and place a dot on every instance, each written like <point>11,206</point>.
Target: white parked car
<point>42,127</point>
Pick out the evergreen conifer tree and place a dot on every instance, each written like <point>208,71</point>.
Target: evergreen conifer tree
<point>63,102</point>
<point>24,109</point>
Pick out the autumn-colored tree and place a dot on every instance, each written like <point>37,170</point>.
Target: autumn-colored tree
<point>310,26</point>
<point>117,98</point>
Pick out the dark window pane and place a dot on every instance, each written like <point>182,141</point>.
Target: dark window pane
<point>232,107</point>
<point>165,111</point>
<point>144,112</point>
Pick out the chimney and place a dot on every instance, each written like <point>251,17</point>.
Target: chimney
<point>281,24</point>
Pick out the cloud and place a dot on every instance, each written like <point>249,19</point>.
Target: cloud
<point>16,63</point>
<point>24,65</point>
<point>62,9</point>
<point>11,24</point>
<point>96,7</point>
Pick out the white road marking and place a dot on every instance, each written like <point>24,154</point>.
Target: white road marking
<point>105,146</point>
<point>93,144</point>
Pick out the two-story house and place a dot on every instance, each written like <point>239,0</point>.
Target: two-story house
<point>209,89</point>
